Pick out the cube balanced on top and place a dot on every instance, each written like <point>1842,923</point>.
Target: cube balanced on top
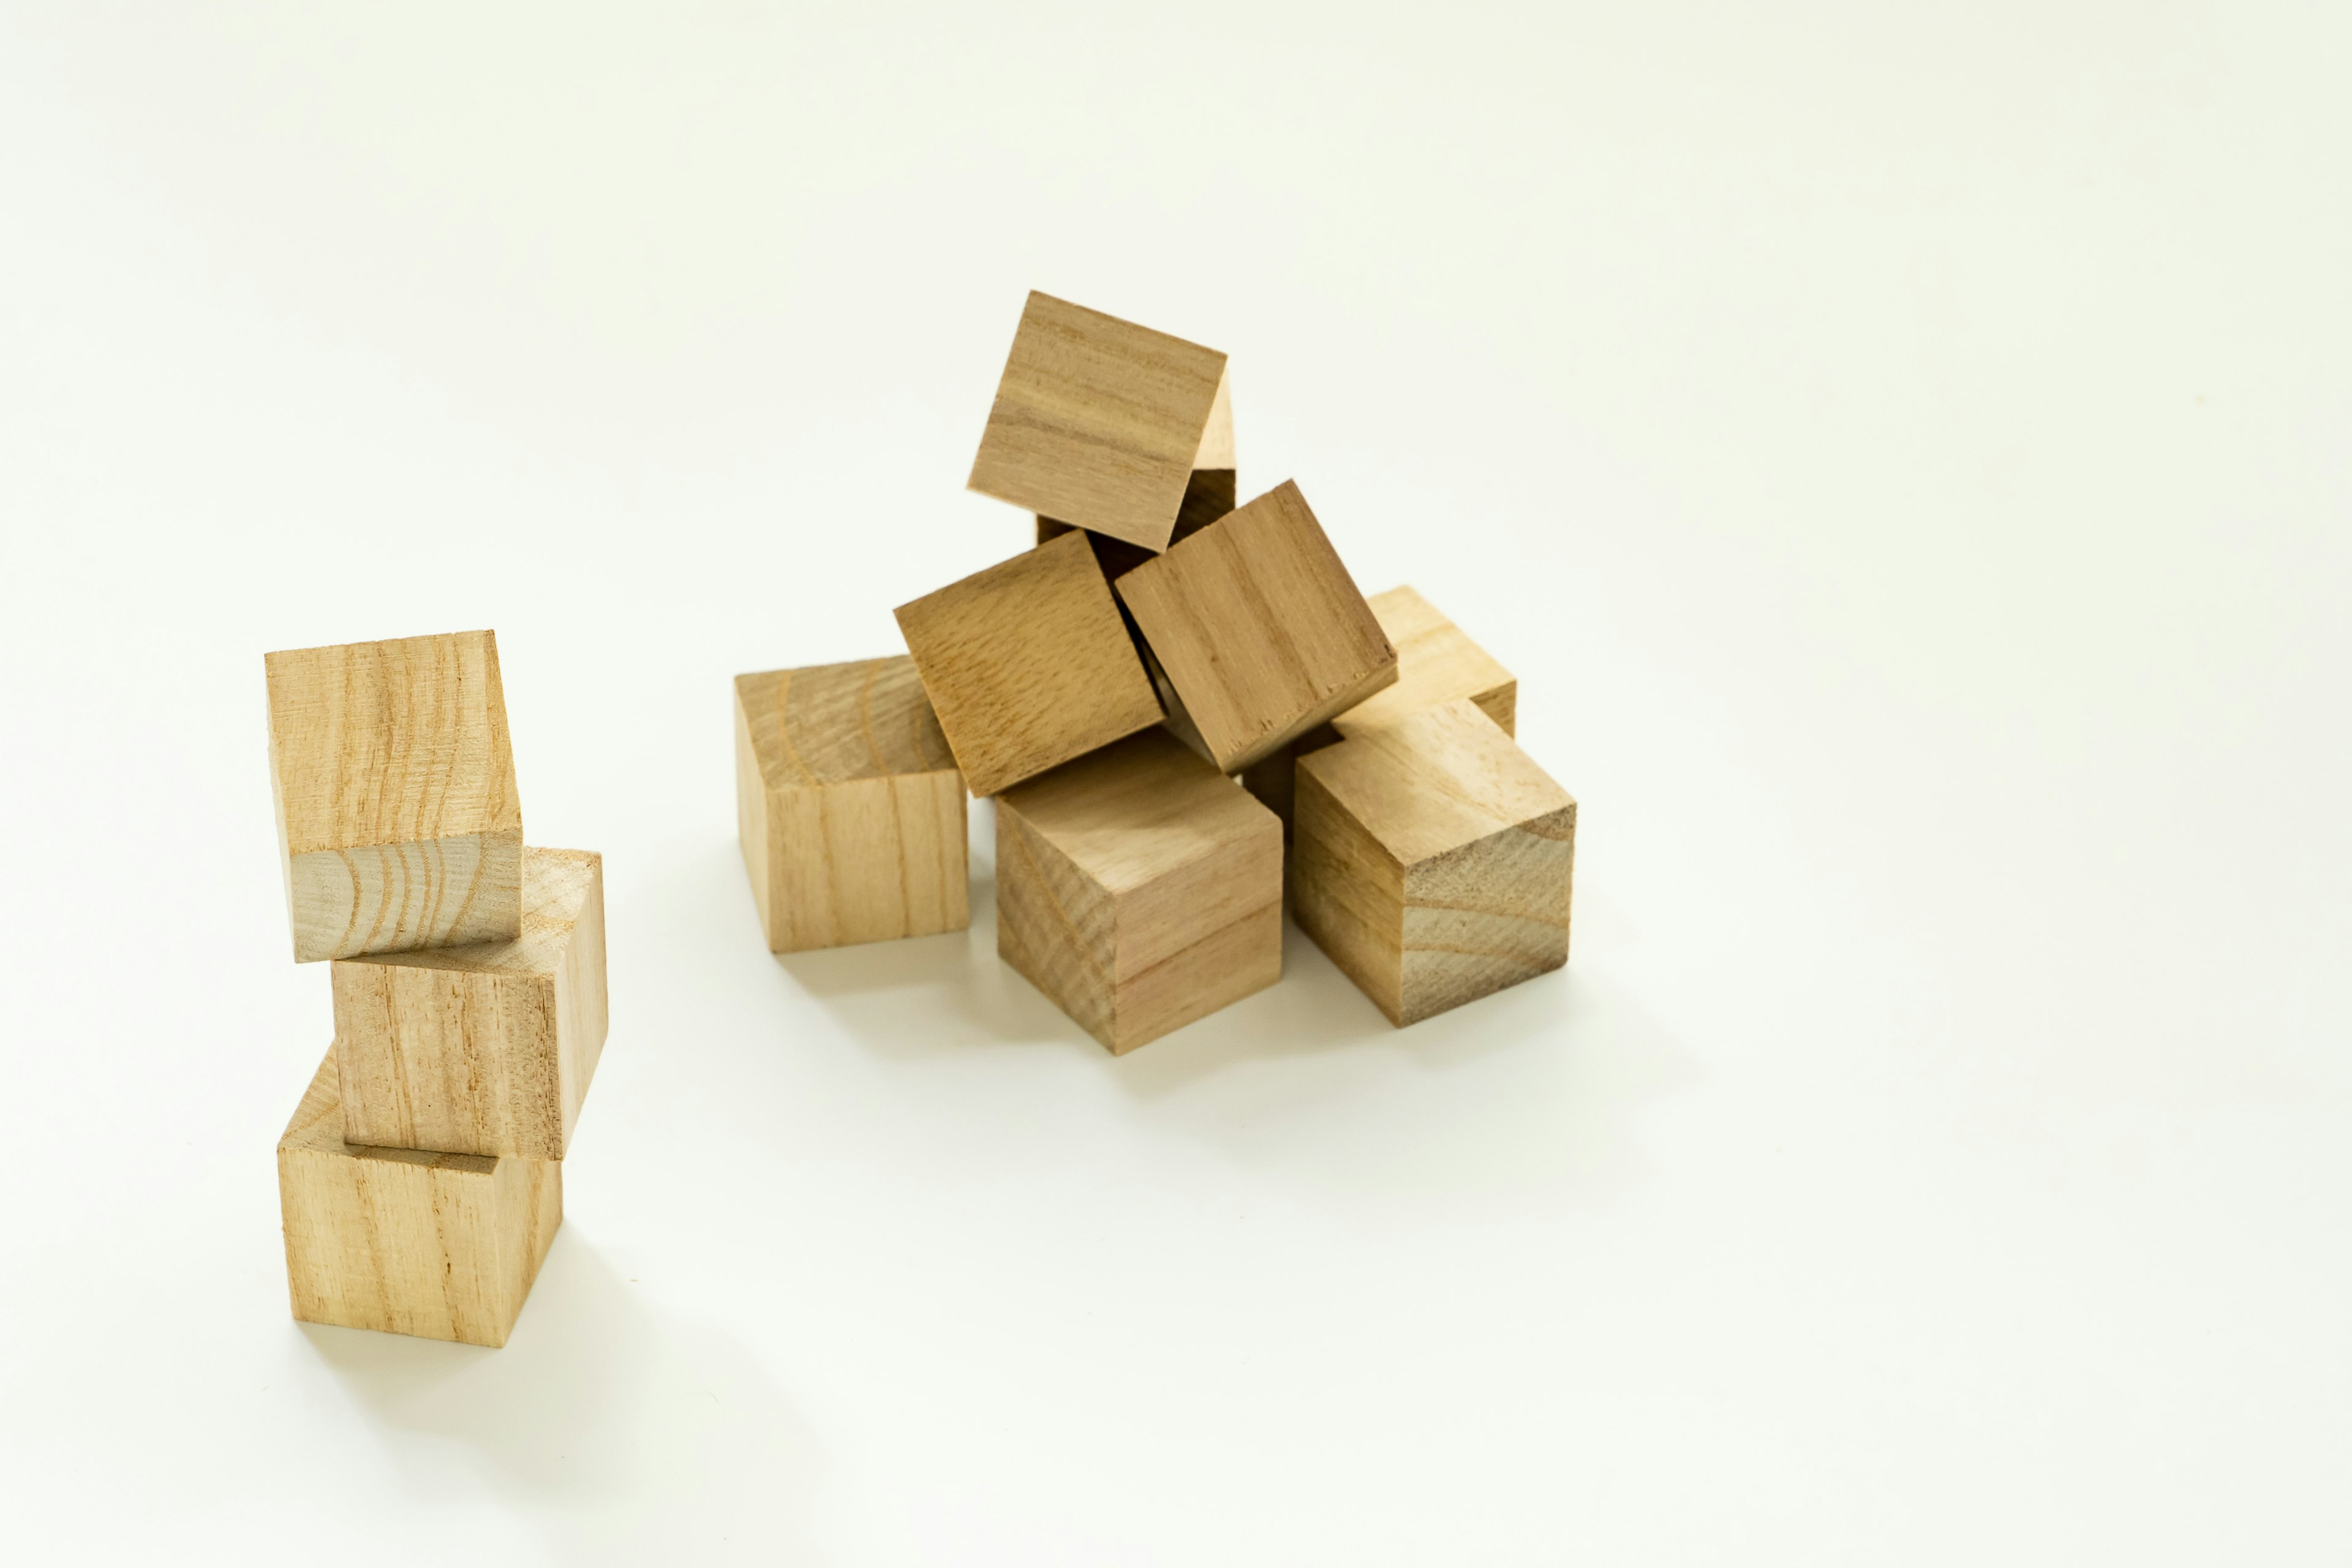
<point>421,1178</point>
<point>1189,718</point>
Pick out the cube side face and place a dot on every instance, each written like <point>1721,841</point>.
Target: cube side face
<point>1027,665</point>
<point>1096,421</point>
<point>1234,872</point>
<point>403,897</point>
<point>868,860</point>
<point>582,1004</point>
<point>1347,892</point>
<point>753,812</point>
<point>1057,926</point>
<point>1488,915</point>
<point>1260,628</point>
<point>1216,970</point>
<point>390,742</point>
<point>450,1060</point>
<point>406,1243</point>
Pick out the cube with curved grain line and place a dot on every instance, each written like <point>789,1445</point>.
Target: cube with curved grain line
<point>850,806</point>
<point>397,817</point>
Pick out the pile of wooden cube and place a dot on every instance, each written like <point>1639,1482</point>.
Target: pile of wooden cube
<point>422,1180</point>
<point>1188,717</point>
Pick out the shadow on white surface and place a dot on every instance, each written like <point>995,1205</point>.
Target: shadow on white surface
<point>599,1415</point>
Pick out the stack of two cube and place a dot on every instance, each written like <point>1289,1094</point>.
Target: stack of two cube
<point>421,1180</point>
<point>1103,687</point>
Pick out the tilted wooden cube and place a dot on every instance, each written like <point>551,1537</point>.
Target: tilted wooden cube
<point>849,806</point>
<point>1436,662</point>
<point>1138,889</point>
<point>1208,494</point>
<point>1098,422</point>
<point>397,817</point>
<point>1259,627</point>
<point>1434,860</point>
<point>405,1242</point>
<point>488,1048</point>
<point>1028,664</point>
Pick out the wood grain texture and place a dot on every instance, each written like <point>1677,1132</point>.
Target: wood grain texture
<point>1138,889</point>
<point>398,823</point>
<point>849,806</point>
<point>1436,662</point>
<point>1260,628</point>
<point>488,1048</point>
<point>1208,496</point>
<point>1434,860</point>
<point>1028,664</point>
<point>405,1242</point>
<point>1097,421</point>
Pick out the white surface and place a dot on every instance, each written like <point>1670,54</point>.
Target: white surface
<point>1901,450</point>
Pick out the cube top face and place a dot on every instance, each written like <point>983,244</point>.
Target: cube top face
<point>1027,664</point>
<point>556,886</point>
<point>1435,780</point>
<point>1135,812</point>
<point>390,742</point>
<point>1098,421</point>
<point>1260,628</point>
<point>832,723</point>
<point>1435,664</point>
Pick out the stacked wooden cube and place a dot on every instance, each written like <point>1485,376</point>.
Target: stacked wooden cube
<point>1188,717</point>
<point>422,1177</point>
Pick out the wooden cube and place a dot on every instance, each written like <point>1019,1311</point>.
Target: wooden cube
<point>1436,663</point>
<point>1208,494</point>
<point>1434,861</point>
<point>406,1241</point>
<point>1260,628</point>
<point>849,807</point>
<point>1138,889</point>
<point>397,818</point>
<point>1028,664</point>
<point>1098,422</point>
<point>484,1050</point>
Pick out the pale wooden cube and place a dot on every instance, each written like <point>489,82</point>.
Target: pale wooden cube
<point>1138,889</point>
<point>1028,664</point>
<point>1436,662</point>
<point>397,819</point>
<point>403,1241</point>
<point>1434,860</point>
<point>484,1050</point>
<point>1099,422</point>
<point>849,806</point>
<point>1259,627</point>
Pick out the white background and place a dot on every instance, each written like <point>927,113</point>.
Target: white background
<point>1902,450</point>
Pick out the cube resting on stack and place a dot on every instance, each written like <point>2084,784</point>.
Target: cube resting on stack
<point>1107,685</point>
<point>421,1178</point>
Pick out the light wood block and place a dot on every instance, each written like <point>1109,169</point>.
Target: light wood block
<point>1208,494</point>
<point>484,1050</point>
<point>1138,889</point>
<point>1099,422</point>
<point>397,818</point>
<point>1260,628</point>
<point>1434,860</point>
<point>1028,664</point>
<point>405,1242</point>
<point>1436,662</point>
<point>849,806</point>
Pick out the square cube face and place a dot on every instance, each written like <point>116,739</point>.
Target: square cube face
<point>1097,421</point>
<point>1139,889</point>
<point>850,806</point>
<point>1028,664</point>
<point>1260,628</point>
<point>1435,861</point>
<point>488,1048</point>
<point>397,817</point>
<point>404,1242</point>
